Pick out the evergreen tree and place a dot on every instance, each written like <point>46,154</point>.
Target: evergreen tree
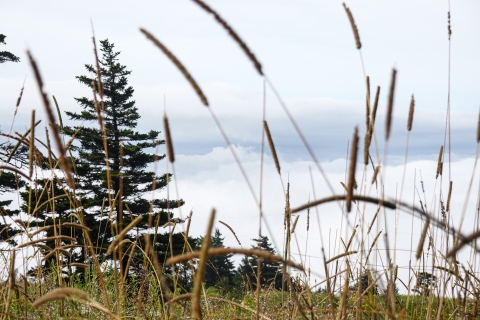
<point>112,198</point>
<point>219,269</point>
<point>270,270</point>
<point>10,183</point>
<point>6,56</point>
<point>425,282</point>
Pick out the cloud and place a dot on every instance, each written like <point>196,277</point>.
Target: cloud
<point>214,180</point>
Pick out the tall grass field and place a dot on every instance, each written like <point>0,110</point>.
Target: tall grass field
<point>89,238</point>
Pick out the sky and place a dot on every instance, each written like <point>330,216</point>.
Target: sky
<point>308,52</point>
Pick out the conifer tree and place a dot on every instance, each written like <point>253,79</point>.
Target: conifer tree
<point>113,197</point>
<point>219,268</point>
<point>10,183</point>
<point>270,270</point>
<point>6,56</point>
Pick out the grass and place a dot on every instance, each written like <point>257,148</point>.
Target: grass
<point>351,287</point>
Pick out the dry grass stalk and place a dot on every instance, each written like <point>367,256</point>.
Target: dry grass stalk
<point>233,34</point>
<point>367,118</point>
<point>168,140</point>
<point>465,240</point>
<point>366,152</point>
<point>55,251</point>
<point>188,223</point>
<point>17,171</point>
<point>449,27</point>
<point>343,300</point>
<point>449,195</point>
<point>373,245</point>
<point>384,203</point>
<point>422,239</point>
<point>294,224</point>
<point>184,296</point>
<point>346,190</point>
<point>375,107</point>
<point>373,220</point>
<point>101,308</point>
<point>122,234</point>
<point>32,145</point>
<point>263,316</point>
<point>308,218</point>
<point>70,141</point>
<point>60,294</point>
<point>64,293</point>
<point>453,273</point>
<point>20,223</point>
<point>439,163</point>
<point>391,95</point>
<point>272,146</point>
<point>30,235</point>
<point>158,269</point>
<point>351,238</point>
<point>15,148</point>
<point>97,64</point>
<point>59,237</point>
<point>178,64</point>
<point>76,225</point>
<point>19,99</point>
<point>59,114</point>
<point>375,174</point>
<point>97,109</point>
<point>78,265</point>
<point>354,26</point>
<point>478,128</point>
<point>51,119</point>
<point>231,230</point>
<point>410,113</point>
<point>351,172</point>
<point>196,308</point>
<point>341,255</point>
<point>224,251</point>
<point>11,281</point>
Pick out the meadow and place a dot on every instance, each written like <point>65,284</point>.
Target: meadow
<point>358,276</point>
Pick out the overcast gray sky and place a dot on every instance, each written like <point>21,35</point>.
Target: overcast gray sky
<point>307,50</point>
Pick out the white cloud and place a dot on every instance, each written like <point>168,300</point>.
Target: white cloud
<point>213,180</point>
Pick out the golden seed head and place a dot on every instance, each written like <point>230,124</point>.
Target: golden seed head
<point>410,113</point>
<point>390,105</point>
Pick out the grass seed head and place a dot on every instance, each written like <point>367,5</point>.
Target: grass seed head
<point>410,113</point>
<point>354,27</point>
<point>391,96</point>
<point>351,172</point>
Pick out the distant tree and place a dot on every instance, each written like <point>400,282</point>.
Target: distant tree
<point>6,56</point>
<point>425,282</point>
<point>10,182</point>
<point>219,269</point>
<point>366,282</point>
<point>270,270</point>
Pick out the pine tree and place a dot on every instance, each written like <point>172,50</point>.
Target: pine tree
<point>219,269</point>
<point>6,56</point>
<point>112,198</point>
<point>10,183</point>
<point>270,270</point>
